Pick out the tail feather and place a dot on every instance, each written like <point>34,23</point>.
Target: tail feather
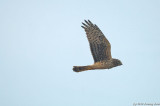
<point>81,68</point>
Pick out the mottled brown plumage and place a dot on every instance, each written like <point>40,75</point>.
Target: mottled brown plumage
<point>100,49</point>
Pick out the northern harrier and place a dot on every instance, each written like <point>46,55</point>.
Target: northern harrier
<point>100,48</point>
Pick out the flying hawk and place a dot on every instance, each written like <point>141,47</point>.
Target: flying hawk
<point>100,48</point>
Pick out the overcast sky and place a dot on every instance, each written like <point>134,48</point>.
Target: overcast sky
<point>41,40</point>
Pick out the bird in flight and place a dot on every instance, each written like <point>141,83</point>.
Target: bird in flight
<point>100,49</point>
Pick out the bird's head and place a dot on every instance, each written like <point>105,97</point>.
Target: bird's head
<point>117,62</point>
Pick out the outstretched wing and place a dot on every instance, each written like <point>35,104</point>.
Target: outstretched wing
<point>99,45</point>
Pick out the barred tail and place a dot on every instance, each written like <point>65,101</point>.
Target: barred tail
<point>81,68</point>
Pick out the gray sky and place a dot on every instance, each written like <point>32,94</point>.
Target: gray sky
<point>40,41</point>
